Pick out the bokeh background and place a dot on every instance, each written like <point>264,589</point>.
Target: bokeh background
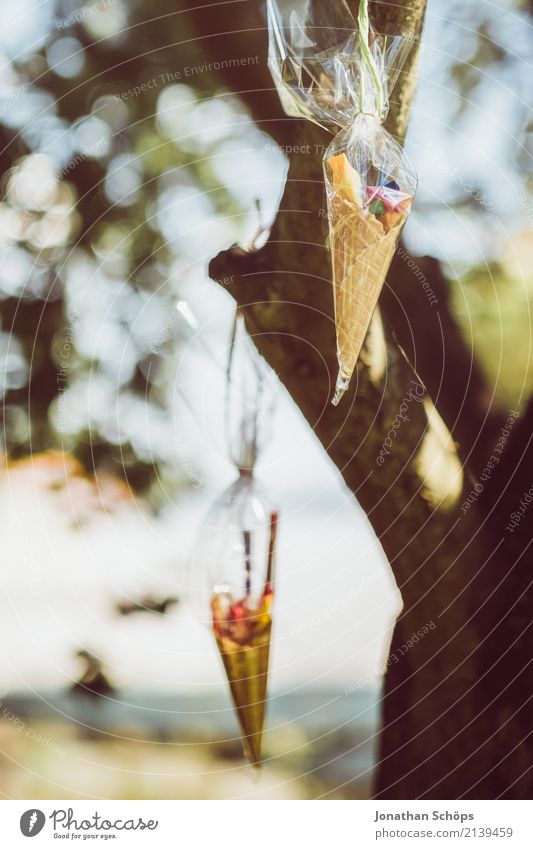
<point>125,167</point>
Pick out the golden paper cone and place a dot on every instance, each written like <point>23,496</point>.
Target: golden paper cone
<point>361,253</point>
<point>247,671</point>
<point>243,639</point>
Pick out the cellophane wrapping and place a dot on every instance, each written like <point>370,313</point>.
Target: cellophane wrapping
<point>331,66</point>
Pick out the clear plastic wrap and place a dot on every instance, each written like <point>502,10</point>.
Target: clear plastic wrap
<point>233,559</point>
<point>336,71</point>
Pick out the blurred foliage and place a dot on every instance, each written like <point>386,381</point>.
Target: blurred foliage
<point>107,181</point>
<point>488,300</point>
<point>113,139</point>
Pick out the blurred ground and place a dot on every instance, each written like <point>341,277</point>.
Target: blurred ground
<point>178,747</point>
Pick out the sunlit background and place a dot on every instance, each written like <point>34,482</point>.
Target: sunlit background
<point>112,204</point>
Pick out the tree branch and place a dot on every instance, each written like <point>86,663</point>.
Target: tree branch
<point>453,379</point>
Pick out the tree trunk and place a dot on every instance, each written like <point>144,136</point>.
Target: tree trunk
<point>456,716</point>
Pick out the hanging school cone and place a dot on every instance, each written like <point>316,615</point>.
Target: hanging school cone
<point>234,556</point>
<point>337,71</point>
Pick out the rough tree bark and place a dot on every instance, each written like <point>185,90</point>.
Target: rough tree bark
<point>456,715</point>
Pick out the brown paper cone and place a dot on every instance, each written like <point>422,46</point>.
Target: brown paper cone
<point>246,668</point>
<point>361,253</point>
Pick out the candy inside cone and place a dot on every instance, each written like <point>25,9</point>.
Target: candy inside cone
<point>392,204</point>
<point>242,631</point>
<point>345,179</point>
